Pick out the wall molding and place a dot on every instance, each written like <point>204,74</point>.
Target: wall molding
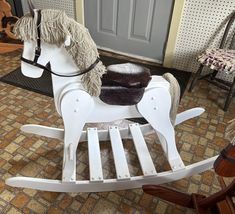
<point>134,56</point>
<point>79,11</point>
<point>174,27</point>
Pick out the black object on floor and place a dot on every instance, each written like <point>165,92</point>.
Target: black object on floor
<point>43,85</point>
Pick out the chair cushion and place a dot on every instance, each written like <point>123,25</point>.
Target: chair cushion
<point>219,59</point>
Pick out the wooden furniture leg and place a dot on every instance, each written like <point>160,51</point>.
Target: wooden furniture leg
<point>195,78</point>
<point>170,195</point>
<point>227,204</point>
<point>230,95</point>
<point>201,203</point>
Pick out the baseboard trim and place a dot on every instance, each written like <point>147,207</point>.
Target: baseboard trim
<point>130,57</point>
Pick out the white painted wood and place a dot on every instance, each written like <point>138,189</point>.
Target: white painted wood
<point>77,107</point>
<point>188,114</point>
<point>103,134</point>
<point>61,62</point>
<point>64,64</point>
<point>157,114</point>
<point>116,112</point>
<point>57,133</point>
<point>71,152</point>
<point>110,184</point>
<point>120,161</point>
<point>45,131</point>
<point>95,165</point>
<point>145,159</point>
<point>74,113</point>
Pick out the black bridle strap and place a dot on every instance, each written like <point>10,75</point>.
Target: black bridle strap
<point>34,62</point>
<point>78,73</point>
<point>38,47</point>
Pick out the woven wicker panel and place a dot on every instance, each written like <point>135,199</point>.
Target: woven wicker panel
<point>202,26</point>
<point>67,5</point>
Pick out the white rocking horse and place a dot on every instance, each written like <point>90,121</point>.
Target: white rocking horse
<point>77,107</point>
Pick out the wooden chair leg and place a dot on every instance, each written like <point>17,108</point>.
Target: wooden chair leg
<point>195,78</point>
<point>200,210</point>
<point>225,206</point>
<point>213,74</point>
<point>202,204</point>
<point>170,195</point>
<point>230,95</point>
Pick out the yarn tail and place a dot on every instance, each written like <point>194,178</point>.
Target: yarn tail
<point>175,95</point>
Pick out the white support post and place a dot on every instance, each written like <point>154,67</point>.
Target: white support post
<point>145,159</point>
<point>95,165</point>
<point>74,113</point>
<point>120,161</point>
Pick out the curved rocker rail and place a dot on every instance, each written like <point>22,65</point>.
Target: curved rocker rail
<point>123,179</point>
<point>110,184</point>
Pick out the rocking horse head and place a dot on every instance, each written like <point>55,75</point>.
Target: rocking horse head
<point>50,36</point>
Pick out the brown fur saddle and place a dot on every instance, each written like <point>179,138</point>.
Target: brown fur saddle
<point>124,84</point>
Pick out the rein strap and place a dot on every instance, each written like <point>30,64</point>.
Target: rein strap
<point>86,70</point>
<point>38,48</point>
<point>38,53</point>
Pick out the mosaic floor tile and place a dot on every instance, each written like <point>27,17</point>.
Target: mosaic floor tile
<point>29,155</point>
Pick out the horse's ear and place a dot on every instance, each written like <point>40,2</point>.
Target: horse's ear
<point>67,41</point>
<point>31,7</point>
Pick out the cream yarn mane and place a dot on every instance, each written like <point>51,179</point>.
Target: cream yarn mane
<point>55,27</point>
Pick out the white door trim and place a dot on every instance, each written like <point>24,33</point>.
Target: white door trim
<point>173,32</point>
<point>79,11</point>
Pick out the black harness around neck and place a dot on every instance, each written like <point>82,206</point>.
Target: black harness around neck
<point>34,62</point>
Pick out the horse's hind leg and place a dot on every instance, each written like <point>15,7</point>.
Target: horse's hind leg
<point>155,108</point>
<point>76,106</point>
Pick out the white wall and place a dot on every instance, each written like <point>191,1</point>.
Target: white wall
<point>67,5</point>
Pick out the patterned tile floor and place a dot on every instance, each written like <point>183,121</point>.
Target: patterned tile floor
<point>24,154</point>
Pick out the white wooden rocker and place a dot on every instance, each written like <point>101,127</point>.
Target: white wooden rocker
<point>77,107</point>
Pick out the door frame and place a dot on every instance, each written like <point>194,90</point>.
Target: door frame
<point>79,11</point>
<point>173,31</point>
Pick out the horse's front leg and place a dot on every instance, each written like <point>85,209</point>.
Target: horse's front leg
<point>155,107</point>
<point>76,105</point>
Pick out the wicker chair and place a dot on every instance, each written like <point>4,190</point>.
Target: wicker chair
<point>221,59</point>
